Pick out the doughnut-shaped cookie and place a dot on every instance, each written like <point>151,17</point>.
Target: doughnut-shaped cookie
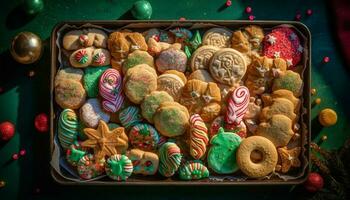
<point>68,127</point>
<point>170,159</point>
<point>118,167</point>
<point>201,57</point>
<point>144,137</point>
<point>264,154</point>
<point>227,66</point>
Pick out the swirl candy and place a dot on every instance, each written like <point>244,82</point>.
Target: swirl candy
<point>119,167</point>
<point>198,136</point>
<point>110,90</point>
<point>68,127</point>
<point>170,159</point>
<point>237,105</point>
<point>193,170</point>
<point>99,58</point>
<point>81,56</point>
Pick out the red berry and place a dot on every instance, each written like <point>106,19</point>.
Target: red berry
<point>1,89</point>
<point>148,163</point>
<point>228,3</point>
<point>326,59</point>
<point>182,19</point>
<point>7,130</point>
<point>309,12</point>
<point>251,17</point>
<point>298,17</point>
<point>314,182</point>
<point>22,152</point>
<point>41,122</point>
<point>248,9</point>
<point>15,156</point>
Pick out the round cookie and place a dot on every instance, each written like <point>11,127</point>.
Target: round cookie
<point>118,167</point>
<point>151,103</point>
<point>130,116</point>
<point>218,37</point>
<point>290,81</point>
<point>171,119</point>
<point>91,113</point>
<point>327,117</point>
<point>177,73</point>
<point>88,167</point>
<point>144,136</point>
<point>222,154</point>
<point>74,153</point>
<point>100,57</point>
<point>69,94</point>
<point>81,58</point>
<point>201,57</point>
<point>110,89</point>
<point>139,82</point>
<point>145,163</point>
<point>137,57</point>
<point>169,159</point>
<point>193,170</point>
<point>171,59</point>
<point>91,80</point>
<point>67,128</point>
<point>69,73</point>
<point>172,84</point>
<point>201,74</point>
<point>228,66</point>
<point>266,152</point>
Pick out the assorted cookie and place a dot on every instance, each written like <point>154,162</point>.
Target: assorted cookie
<point>179,103</point>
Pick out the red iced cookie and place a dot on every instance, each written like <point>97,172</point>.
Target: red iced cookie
<point>283,43</point>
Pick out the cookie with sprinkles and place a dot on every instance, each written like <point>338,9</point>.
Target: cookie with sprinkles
<point>144,136</point>
<point>283,43</point>
<point>89,167</point>
<point>119,167</point>
<point>130,116</point>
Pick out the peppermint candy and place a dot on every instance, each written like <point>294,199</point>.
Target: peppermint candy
<point>237,105</point>
<point>110,87</point>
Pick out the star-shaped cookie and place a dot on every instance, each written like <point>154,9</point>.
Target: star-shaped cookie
<point>105,142</point>
<point>289,158</point>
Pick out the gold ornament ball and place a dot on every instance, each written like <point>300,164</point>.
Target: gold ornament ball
<point>26,48</point>
<point>2,184</point>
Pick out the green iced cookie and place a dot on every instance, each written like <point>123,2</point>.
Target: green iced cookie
<point>137,57</point>
<point>91,79</point>
<point>290,81</point>
<point>222,154</point>
<point>119,167</point>
<point>193,170</point>
<point>152,102</point>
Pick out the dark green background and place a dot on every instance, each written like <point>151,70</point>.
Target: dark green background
<point>24,97</point>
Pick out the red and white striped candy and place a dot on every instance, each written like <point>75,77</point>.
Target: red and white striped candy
<point>237,105</point>
<point>110,89</point>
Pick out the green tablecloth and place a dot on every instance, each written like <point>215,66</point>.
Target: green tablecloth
<point>24,97</point>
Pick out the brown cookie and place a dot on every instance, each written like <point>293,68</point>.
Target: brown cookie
<point>69,73</point>
<point>200,59</point>
<point>70,94</point>
<point>202,75</point>
<point>77,39</point>
<point>218,37</point>
<point>279,106</point>
<point>172,84</point>
<point>145,163</point>
<point>282,93</point>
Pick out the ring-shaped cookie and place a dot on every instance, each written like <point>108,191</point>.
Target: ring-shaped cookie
<point>267,161</point>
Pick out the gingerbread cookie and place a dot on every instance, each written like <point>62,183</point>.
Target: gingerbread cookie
<point>279,106</point>
<point>218,37</point>
<point>91,113</point>
<point>139,82</point>
<point>69,94</point>
<point>171,119</point>
<point>137,57</point>
<point>227,66</point>
<point>278,129</point>
<point>256,156</point>
<point>171,59</point>
<point>289,158</point>
<point>144,136</point>
<point>145,163</point>
<point>222,154</point>
<point>77,39</point>
<point>118,167</point>
<point>201,57</point>
<point>282,93</point>
<point>248,39</point>
<point>105,142</point>
<point>202,75</point>
<point>290,81</point>
<point>151,103</point>
<point>169,159</point>
<point>193,170</point>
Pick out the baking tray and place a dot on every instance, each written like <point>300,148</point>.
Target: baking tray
<point>157,180</point>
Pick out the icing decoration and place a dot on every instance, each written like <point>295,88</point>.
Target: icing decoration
<point>83,39</point>
<point>193,170</point>
<point>81,56</point>
<point>119,167</point>
<point>237,105</point>
<point>88,167</point>
<point>110,87</point>
<point>196,40</point>
<point>130,116</point>
<point>182,33</point>
<point>99,58</point>
<point>170,159</point>
<point>222,154</point>
<point>198,136</point>
<point>75,153</point>
<point>219,122</point>
<point>68,127</point>
<point>276,54</point>
<point>144,136</point>
<point>271,39</point>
